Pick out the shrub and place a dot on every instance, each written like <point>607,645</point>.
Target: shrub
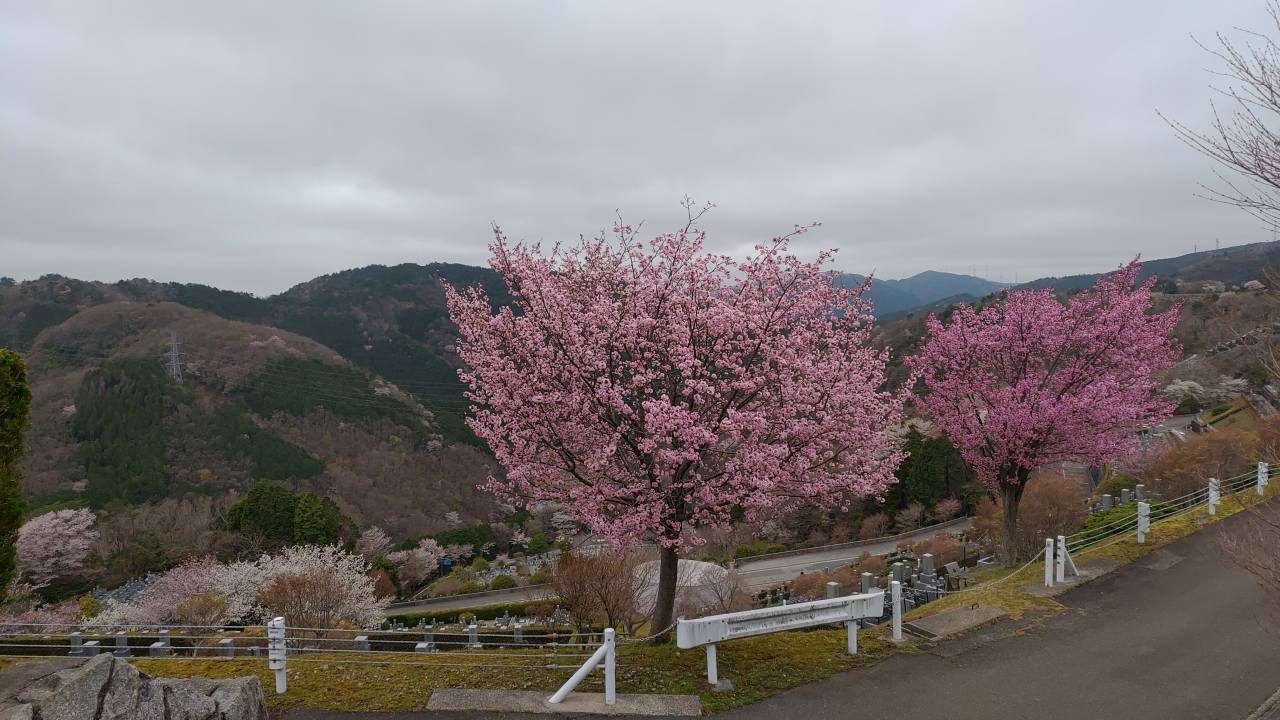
<point>503,582</point>
<point>485,612</point>
<point>874,526</point>
<point>1051,505</point>
<point>759,547</point>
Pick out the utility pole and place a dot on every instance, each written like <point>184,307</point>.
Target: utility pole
<point>174,364</point>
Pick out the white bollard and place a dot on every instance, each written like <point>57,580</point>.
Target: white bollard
<point>610,667</point>
<point>1263,477</point>
<point>713,673</point>
<point>895,592</point>
<point>1144,521</point>
<point>1048,562</point>
<point>1060,561</point>
<point>276,652</point>
<point>852,627</point>
<point>1215,496</point>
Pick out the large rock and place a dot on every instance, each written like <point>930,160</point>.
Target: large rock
<point>107,688</point>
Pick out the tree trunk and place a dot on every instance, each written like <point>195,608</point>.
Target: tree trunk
<point>1010,496</point>
<point>665,603</point>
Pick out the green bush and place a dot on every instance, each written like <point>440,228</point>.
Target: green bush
<point>485,612</point>
<point>1107,517</point>
<point>282,517</point>
<point>1115,483</point>
<point>539,544</point>
<point>759,547</point>
<point>479,564</point>
<point>503,582</point>
<point>316,521</point>
<point>470,586</point>
<point>541,577</point>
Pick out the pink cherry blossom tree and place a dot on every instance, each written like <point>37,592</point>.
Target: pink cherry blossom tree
<point>55,545</point>
<point>1030,381</point>
<point>654,389</point>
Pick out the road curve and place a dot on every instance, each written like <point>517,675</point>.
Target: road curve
<point>756,572</point>
<point>769,570</point>
<point>1181,634</point>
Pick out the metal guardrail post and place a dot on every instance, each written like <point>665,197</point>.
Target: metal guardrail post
<point>895,591</point>
<point>276,652</point>
<point>610,667</point>
<point>713,672</point>
<point>601,655</point>
<point>833,588</point>
<point>1048,562</point>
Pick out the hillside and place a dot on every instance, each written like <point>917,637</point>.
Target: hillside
<point>1232,265</point>
<point>256,402</point>
<point>896,297</point>
<point>346,386</point>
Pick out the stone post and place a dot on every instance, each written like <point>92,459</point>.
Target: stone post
<point>833,589</point>
<point>361,643</point>
<point>122,645</point>
<point>226,647</point>
<point>76,640</point>
<point>867,580</point>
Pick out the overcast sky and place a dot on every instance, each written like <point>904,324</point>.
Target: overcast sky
<point>255,145</point>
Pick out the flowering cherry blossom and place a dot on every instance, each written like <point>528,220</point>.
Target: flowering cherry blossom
<point>55,544</point>
<point>654,389</point>
<point>1030,381</point>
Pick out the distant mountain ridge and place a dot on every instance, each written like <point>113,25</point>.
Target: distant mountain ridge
<point>344,385</point>
<point>919,290</point>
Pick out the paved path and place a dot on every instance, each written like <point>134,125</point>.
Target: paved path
<point>758,572</point>
<point>462,602</point>
<point>1179,635</point>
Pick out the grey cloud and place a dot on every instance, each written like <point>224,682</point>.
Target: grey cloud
<point>255,145</point>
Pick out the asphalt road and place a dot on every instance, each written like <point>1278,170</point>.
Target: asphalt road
<point>758,572</point>
<point>462,602</point>
<point>755,572</point>
<point>1181,634</point>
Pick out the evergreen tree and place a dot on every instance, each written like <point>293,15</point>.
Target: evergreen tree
<point>316,521</point>
<point>15,408</point>
<point>266,510</point>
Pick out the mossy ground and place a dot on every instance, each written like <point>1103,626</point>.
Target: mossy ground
<point>759,667</point>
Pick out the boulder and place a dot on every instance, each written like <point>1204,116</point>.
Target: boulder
<point>109,688</point>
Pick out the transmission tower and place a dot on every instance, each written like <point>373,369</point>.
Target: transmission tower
<point>174,364</point>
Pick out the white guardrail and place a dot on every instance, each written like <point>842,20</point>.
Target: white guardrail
<point>715,629</point>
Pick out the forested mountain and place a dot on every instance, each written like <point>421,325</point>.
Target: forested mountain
<point>344,386</point>
<point>922,289</point>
